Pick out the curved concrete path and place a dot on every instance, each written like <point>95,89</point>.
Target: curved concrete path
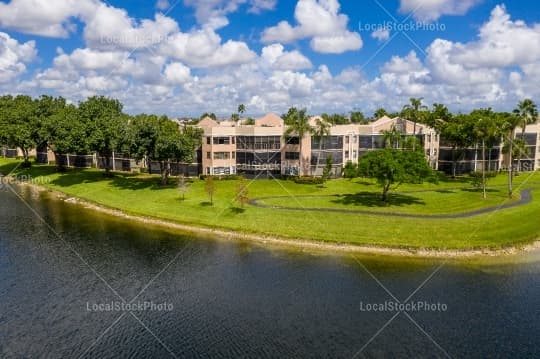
<point>526,197</point>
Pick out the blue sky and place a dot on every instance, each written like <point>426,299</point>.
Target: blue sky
<point>192,56</point>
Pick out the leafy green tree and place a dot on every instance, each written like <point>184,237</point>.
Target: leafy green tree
<point>105,125</point>
<point>299,125</point>
<point>321,131</point>
<point>350,170</point>
<point>458,133</point>
<point>158,139</point>
<point>528,114</point>
<point>290,116</point>
<point>358,118</point>
<point>391,167</point>
<point>64,133</point>
<point>19,122</point>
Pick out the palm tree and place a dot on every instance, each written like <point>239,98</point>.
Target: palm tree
<point>298,124</point>
<point>511,122</point>
<point>528,114</point>
<point>241,109</point>
<point>485,129</point>
<point>320,132</point>
<point>392,138</point>
<point>412,112</point>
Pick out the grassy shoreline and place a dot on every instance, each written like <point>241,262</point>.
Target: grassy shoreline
<point>140,198</point>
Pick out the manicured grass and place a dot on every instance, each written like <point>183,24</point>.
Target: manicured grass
<point>142,195</point>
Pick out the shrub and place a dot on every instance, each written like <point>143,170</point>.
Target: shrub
<point>222,177</point>
<point>309,180</point>
<point>476,178</point>
<point>350,170</point>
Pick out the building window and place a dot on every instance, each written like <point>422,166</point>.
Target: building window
<point>293,140</point>
<point>354,155</point>
<point>292,156</point>
<point>222,155</point>
<point>233,140</point>
<point>208,171</point>
<point>233,155</point>
<point>222,170</point>
<point>346,140</point>
<point>347,154</point>
<point>208,140</point>
<point>222,140</point>
<point>208,155</point>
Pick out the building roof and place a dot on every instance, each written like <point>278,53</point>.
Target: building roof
<point>269,120</point>
<point>208,122</point>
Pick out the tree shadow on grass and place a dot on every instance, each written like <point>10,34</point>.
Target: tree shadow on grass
<point>373,199</point>
<point>479,190</point>
<point>206,204</point>
<point>126,181</point>
<point>237,210</point>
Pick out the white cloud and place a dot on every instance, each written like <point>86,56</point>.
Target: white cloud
<point>381,34</point>
<point>278,59</point>
<point>52,18</point>
<point>258,6</point>
<point>431,10</point>
<point>163,5</point>
<point>112,28</point>
<point>177,73</point>
<point>502,42</point>
<point>202,48</point>
<point>321,21</point>
<point>14,56</point>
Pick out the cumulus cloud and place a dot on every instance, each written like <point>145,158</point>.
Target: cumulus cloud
<point>177,73</point>
<point>51,18</point>
<point>277,58</point>
<point>14,56</point>
<point>213,13</point>
<point>431,10</point>
<point>321,21</point>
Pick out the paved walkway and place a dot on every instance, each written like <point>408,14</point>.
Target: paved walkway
<point>526,197</point>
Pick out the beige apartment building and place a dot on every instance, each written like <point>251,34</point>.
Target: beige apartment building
<point>263,150</point>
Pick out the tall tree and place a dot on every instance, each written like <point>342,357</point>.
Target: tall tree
<point>64,133</point>
<point>19,124</point>
<point>458,134</point>
<point>299,125</point>
<point>485,131</point>
<point>105,126</point>
<point>414,112</point>
<point>241,109</point>
<point>528,114</point>
<point>321,131</point>
<point>510,123</point>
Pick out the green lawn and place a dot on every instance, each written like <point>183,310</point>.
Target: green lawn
<point>141,194</point>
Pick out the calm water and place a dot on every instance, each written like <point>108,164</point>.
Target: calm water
<point>238,300</point>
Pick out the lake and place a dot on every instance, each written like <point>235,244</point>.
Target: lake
<point>75,283</point>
